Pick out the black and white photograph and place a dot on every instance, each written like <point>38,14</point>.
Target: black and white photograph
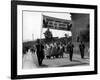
<point>53,39</point>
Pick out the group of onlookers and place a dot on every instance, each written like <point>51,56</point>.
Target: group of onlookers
<point>55,50</point>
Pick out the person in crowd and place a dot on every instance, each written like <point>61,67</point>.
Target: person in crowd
<point>63,49</point>
<point>60,51</point>
<point>82,48</point>
<point>47,49</point>
<point>40,52</point>
<point>55,50</point>
<point>70,47</point>
<point>33,49</point>
<point>25,50</point>
<point>52,50</point>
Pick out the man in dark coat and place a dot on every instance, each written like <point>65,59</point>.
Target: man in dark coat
<point>70,47</point>
<point>82,48</point>
<point>40,52</point>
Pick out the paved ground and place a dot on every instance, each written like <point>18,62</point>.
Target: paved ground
<point>62,62</point>
<point>30,61</point>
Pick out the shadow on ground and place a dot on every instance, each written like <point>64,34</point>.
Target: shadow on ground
<point>43,66</point>
<point>77,64</point>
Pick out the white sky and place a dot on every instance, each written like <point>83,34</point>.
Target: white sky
<point>32,25</point>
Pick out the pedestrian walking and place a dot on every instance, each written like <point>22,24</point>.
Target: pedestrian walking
<point>70,47</point>
<point>82,48</point>
<point>40,52</point>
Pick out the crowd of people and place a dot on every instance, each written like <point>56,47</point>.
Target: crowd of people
<point>55,50</point>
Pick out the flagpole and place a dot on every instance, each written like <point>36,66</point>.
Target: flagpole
<point>33,37</point>
<point>41,27</point>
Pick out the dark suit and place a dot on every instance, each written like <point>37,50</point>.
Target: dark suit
<point>70,50</point>
<point>82,47</point>
<point>40,53</point>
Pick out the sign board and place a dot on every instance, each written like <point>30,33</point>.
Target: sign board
<point>56,23</point>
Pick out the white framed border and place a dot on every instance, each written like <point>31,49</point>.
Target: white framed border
<point>21,71</point>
